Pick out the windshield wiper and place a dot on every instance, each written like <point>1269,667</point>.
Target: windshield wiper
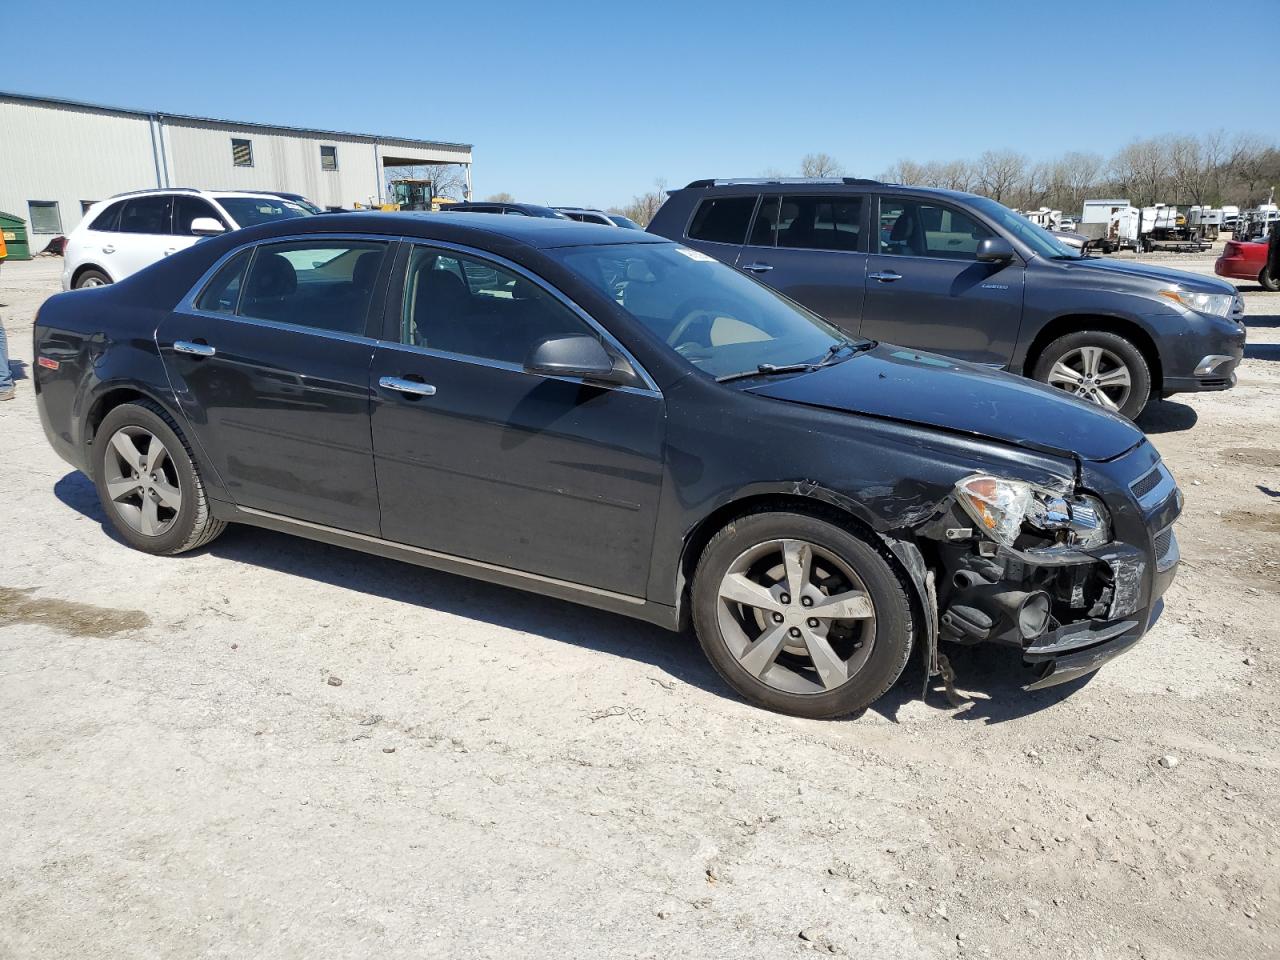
<point>767,370</point>
<point>770,369</point>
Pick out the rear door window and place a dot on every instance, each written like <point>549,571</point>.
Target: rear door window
<point>820,223</point>
<point>147,214</point>
<point>722,220</point>
<point>325,283</point>
<point>223,292</point>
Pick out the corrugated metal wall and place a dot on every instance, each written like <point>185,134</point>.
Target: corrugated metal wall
<point>69,153</point>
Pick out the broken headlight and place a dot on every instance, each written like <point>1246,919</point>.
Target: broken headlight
<point>1000,507</point>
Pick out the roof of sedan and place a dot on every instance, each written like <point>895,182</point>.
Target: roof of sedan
<point>539,232</point>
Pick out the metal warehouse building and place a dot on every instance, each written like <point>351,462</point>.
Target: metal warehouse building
<point>58,156</point>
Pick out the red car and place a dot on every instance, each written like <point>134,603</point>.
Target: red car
<point>1246,260</point>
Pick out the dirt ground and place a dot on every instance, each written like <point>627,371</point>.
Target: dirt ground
<point>499,775</point>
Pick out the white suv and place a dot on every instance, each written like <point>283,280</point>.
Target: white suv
<point>120,236</point>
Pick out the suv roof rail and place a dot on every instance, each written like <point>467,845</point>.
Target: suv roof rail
<point>131,193</point>
<point>739,181</point>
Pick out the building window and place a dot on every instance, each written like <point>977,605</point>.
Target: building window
<point>45,217</point>
<point>328,158</point>
<point>242,152</point>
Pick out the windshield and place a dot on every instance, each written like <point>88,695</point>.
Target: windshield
<point>246,211</point>
<point>1036,237</point>
<point>625,221</point>
<point>719,320</point>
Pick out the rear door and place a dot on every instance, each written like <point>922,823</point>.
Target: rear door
<point>143,235</point>
<point>270,363</point>
<point>926,288</point>
<point>812,248</point>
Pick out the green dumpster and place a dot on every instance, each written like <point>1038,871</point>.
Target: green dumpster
<point>15,236</point>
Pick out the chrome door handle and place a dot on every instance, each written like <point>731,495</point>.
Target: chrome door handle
<point>885,276</point>
<point>415,387</point>
<point>757,267</point>
<point>195,349</point>
<point>108,249</point>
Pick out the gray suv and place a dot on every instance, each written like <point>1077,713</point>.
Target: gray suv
<point>964,276</point>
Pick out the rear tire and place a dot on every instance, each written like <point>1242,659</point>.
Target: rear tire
<point>833,649</point>
<point>153,496</point>
<point>91,278</point>
<point>1268,281</point>
<point>1069,361</point>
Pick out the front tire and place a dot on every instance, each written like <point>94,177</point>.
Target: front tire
<point>1267,281</point>
<point>1098,366</point>
<point>148,482</point>
<point>91,278</point>
<point>800,615</point>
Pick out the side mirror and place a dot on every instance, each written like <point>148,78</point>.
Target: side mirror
<point>579,356</point>
<point>995,250</point>
<point>206,227</point>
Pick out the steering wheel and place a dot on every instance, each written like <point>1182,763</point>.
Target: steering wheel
<point>692,313</point>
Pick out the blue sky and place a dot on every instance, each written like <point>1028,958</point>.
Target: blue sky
<point>591,102</point>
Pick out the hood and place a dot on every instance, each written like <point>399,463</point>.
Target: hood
<point>922,388</point>
<point>1145,271</point>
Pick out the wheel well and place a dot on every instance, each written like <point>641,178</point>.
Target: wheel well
<point>697,540</point>
<point>83,268</point>
<point>1072,323</point>
<point>105,404</point>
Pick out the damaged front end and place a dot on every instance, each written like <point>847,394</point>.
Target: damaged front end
<point>1043,568</point>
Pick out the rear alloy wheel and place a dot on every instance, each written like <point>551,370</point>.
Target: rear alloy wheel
<point>91,278</point>
<point>801,616</point>
<point>1268,281</point>
<point>1100,367</point>
<point>148,482</point>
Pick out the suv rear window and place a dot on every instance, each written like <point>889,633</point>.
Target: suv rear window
<point>109,219</point>
<point>722,220</point>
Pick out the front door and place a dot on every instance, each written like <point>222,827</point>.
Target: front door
<point>478,459</point>
<point>926,288</point>
<point>810,248</point>
<point>270,363</point>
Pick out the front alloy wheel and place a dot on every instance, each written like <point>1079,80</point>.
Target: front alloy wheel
<point>1099,366</point>
<point>1094,374</point>
<point>796,616</point>
<point>800,614</point>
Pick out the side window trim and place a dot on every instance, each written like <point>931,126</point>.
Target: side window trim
<point>393,316</point>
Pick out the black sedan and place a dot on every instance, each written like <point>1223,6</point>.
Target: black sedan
<point>616,420</point>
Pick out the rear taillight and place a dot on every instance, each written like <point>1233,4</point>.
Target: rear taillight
<point>1232,249</point>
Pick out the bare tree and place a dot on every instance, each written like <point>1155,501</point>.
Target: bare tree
<point>1079,175</point>
<point>955,175</point>
<point>502,197</point>
<point>906,172</point>
<point>819,165</point>
<point>642,207</point>
<point>1247,160</point>
<point>773,173</point>
<point>447,179</point>
<point>999,172</point>
<point>1141,169</point>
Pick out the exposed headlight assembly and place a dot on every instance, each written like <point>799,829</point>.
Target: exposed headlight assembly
<point>1211,304</point>
<point>1000,507</point>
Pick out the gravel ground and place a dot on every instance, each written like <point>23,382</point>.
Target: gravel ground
<point>499,775</point>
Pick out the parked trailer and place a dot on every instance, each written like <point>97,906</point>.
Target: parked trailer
<point>1110,225</point>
